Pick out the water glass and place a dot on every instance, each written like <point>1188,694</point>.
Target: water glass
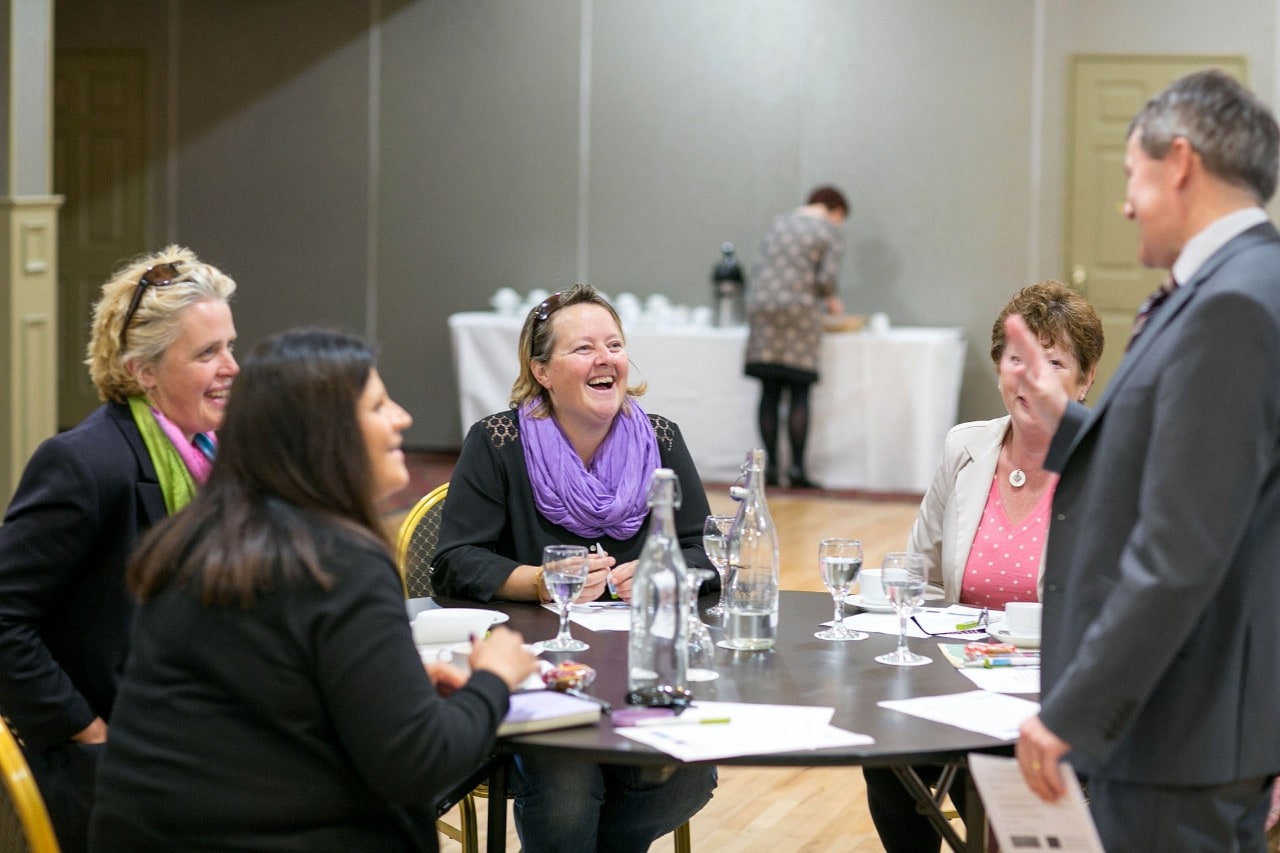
<point>904,581</point>
<point>839,561</point>
<point>564,571</point>
<point>715,536</point>
<point>702,648</point>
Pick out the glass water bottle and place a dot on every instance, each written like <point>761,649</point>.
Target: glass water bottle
<point>752,620</point>
<point>657,657</point>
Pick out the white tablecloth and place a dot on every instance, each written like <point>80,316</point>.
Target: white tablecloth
<point>877,419</point>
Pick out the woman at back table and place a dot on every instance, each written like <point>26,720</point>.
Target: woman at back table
<point>982,525</point>
<point>274,699</point>
<point>570,463</point>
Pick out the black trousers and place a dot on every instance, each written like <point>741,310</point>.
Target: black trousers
<point>65,774</point>
<point>902,828</point>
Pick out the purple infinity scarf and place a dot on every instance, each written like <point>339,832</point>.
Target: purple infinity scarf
<point>609,497</point>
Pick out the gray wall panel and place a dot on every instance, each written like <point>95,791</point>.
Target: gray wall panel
<point>273,153</point>
<point>478,184</point>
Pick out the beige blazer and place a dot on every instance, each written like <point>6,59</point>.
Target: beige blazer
<point>952,508</point>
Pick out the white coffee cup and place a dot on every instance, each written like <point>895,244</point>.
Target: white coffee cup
<point>1022,618</point>
<point>871,586</point>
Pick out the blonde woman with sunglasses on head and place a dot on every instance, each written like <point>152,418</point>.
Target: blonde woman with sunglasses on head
<point>160,355</point>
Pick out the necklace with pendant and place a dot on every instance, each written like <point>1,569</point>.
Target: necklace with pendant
<point>1017,479</point>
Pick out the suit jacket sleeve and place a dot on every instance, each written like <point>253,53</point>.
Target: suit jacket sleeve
<point>49,532</point>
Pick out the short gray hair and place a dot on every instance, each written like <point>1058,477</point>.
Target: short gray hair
<point>1234,133</point>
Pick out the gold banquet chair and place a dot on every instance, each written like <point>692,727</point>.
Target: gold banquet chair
<point>24,821</point>
<point>415,549</point>
<point>416,543</point>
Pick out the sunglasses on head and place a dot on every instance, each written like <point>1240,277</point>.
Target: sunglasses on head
<point>161,275</point>
<point>547,307</point>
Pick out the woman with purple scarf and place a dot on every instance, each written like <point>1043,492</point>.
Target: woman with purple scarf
<point>570,464</point>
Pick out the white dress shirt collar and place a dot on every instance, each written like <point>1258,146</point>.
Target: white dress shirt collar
<point>1214,237</point>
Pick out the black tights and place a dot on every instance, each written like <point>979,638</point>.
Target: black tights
<point>797,419</point>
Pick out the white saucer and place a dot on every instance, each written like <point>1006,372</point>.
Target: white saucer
<point>869,606</point>
<point>999,633</point>
<point>453,624</point>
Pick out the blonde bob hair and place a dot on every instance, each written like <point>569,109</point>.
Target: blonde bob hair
<point>156,323</point>
<point>538,340</point>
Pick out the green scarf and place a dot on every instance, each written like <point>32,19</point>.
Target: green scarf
<point>176,482</point>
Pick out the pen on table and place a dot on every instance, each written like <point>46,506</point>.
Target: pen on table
<point>976,623</point>
<point>988,663</point>
<point>681,721</point>
<point>604,706</point>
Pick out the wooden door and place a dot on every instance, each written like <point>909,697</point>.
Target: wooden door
<point>1101,245</point>
<point>99,166</point>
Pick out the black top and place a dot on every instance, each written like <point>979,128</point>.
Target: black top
<point>83,500</point>
<point>305,722</point>
<point>491,524</point>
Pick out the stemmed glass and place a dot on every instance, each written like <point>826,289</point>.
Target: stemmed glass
<point>715,532</point>
<point>839,561</point>
<point>564,571</point>
<point>702,649</point>
<point>903,577</point>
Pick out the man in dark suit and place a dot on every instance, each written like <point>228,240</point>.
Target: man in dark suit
<point>1161,668</point>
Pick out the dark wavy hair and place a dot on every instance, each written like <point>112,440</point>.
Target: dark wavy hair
<point>290,449</point>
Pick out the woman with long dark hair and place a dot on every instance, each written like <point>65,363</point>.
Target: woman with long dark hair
<point>274,699</point>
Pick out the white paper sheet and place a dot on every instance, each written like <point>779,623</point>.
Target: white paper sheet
<point>1023,821</point>
<point>598,616</point>
<point>752,729</point>
<point>980,711</point>
<point>1005,679</point>
<point>933,619</point>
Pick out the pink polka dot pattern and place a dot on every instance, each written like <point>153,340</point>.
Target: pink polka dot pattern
<point>1004,561</point>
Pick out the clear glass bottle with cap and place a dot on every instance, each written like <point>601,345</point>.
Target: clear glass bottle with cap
<point>752,601</point>
<point>657,656</point>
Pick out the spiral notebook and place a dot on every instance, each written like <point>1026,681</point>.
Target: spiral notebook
<point>544,710</point>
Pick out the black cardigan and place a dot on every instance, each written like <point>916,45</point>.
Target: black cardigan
<point>491,524</point>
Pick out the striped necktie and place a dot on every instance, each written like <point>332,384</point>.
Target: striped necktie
<point>205,445</point>
<point>1153,302</point>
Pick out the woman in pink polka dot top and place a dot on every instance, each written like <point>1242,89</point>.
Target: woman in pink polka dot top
<point>982,524</point>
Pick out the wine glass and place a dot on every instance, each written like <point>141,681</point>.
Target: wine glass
<point>839,561</point>
<point>715,532</point>
<point>702,649</point>
<point>564,571</point>
<point>903,577</point>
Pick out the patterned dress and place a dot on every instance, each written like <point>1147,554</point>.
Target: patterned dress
<point>798,267</point>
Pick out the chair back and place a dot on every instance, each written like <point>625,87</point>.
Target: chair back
<point>24,821</point>
<point>416,542</point>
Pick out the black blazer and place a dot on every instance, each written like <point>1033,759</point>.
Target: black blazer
<point>1161,640</point>
<point>65,616</point>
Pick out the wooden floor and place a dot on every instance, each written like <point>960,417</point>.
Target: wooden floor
<point>767,810</point>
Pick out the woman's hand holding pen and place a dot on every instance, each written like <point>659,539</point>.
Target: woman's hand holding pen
<point>599,565</point>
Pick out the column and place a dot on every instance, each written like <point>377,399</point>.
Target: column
<point>28,237</point>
